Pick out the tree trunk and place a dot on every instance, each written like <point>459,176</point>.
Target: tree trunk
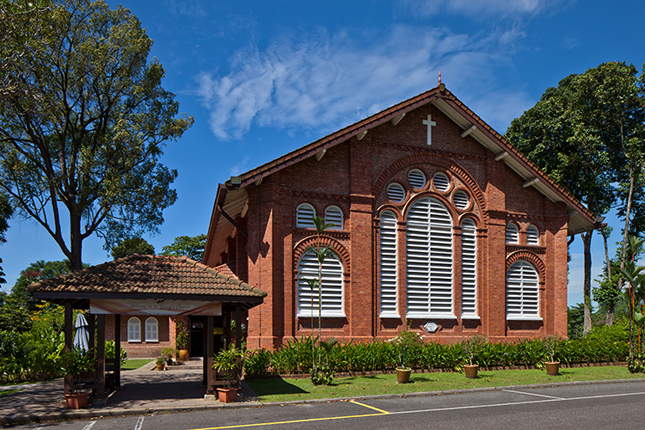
<point>76,242</point>
<point>586,239</point>
<point>609,320</point>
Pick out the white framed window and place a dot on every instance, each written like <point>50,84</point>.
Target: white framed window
<point>152,330</point>
<point>332,286</point>
<point>461,199</point>
<point>532,235</point>
<point>388,265</point>
<point>417,178</point>
<point>512,233</point>
<point>468,268</point>
<point>335,215</point>
<point>429,260</point>
<point>395,192</point>
<point>305,214</point>
<point>441,181</point>
<point>522,292</point>
<point>134,329</point>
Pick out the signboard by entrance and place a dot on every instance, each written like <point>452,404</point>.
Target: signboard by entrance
<point>155,307</point>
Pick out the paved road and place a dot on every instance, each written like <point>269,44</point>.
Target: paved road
<point>588,407</point>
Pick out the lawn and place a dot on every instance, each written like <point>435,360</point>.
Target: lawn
<point>135,363</point>
<point>286,389</point>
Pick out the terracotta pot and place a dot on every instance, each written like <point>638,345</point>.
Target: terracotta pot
<point>226,395</point>
<point>552,368</point>
<point>403,375</point>
<point>76,401</point>
<point>183,354</point>
<point>471,370</point>
<point>160,366</point>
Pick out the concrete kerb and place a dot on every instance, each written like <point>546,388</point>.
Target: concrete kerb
<point>116,412</point>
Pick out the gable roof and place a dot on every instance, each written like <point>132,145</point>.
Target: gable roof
<point>148,277</point>
<point>231,197</point>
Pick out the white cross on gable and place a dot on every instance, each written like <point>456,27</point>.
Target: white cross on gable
<point>430,123</point>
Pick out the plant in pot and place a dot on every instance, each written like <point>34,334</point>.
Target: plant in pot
<point>227,362</point>
<point>167,353</point>
<point>405,341</point>
<point>552,346</point>
<point>161,363</point>
<point>471,348</point>
<point>74,362</point>
<point>181,341</point>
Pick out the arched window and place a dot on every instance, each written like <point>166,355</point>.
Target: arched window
<point>522,291</point>
<point>305,214</point>
<point>512,233</point>
<point>134,330</point>
<point>532,235</point>
<point>468,269</point>
<point>388,265</point>
<point>152,330</point>
<point>335,215</point>
<point>332,286</point>
<point>429,260</point>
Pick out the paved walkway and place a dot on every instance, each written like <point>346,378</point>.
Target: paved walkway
<point>142,391</point>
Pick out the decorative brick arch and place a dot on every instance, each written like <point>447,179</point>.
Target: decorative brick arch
<point>531,258</point>
<point>311,241</point>
<point>454,215</point>
<point>437,160</point>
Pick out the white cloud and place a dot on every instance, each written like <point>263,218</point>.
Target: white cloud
<point>483,9</point>
<point>322,82</point>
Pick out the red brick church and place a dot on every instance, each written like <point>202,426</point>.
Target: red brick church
<point>438,221</point>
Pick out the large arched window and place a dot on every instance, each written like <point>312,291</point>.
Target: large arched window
<point>429,260</point>
<point>134,330</point>
<point>512,233</point>
<point>468,269</point>
<point>305,214</point>
<point>334,215</point>
<point>522,291</point>
<point>532,235</point>
<point>152,330</point>
<point>388,265</point>
<point>332,286</point>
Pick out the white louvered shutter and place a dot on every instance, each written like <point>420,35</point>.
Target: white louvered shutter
<point>429,260</point>
<point>395,192</point>
<point>522,288</point>
<point>388,265</point>
<point>468,269</point>
<point>441,181</point>
<point>461,199</point>
<point>305,214</point>
<point>335,215</point>
<point>512,233</point>
<point>416,178</point>
<point>532,235</point>
<point>332,286</point>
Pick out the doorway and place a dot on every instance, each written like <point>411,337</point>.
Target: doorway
<point>196,336</point>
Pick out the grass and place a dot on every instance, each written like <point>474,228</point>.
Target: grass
<point>286,389</point>
<point>135,363</point>
<point>5,393</point>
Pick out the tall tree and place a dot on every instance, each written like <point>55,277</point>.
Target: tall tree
<point>574,134</point>
<point>89,148</point>
<point>193,247</point>
<point>5,213</point>
<point>133,245</point>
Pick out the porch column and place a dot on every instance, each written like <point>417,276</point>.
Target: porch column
<point>238,326</point>
<point>100,359</point>
<point>209,350</point>
<point>117,350</point>
<point>69,316</point>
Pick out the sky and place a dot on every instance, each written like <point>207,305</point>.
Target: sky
<point>263,78</point>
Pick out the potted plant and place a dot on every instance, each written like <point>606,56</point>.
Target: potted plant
<point>181,340</point>
<point>227,362</point>
<point>405,340</point>
<point>73,363</point>
<point>552,346</point>
<point>471,348</point>
<point>161,363</point>
<point>167,354</point>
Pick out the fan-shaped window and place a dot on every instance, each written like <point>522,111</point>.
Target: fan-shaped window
<point>522,298</point>
<point>532,235</point>
<point>305,214</point>
<point>334,215</point>
<point>152,330</point>
<point>512,233</point>
<point>461,199</point>
<point>134,330</point>
<point>416,178</point>
<point>395,192</point>
<point>388,265</point>
<point>441,181</point>
<point>332,286</point>
<point>468,268</point>
<point>429,260</point>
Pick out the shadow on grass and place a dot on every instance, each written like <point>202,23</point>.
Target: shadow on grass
<point>263,387</point>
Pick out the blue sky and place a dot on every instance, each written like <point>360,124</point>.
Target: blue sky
<point>263,78</point>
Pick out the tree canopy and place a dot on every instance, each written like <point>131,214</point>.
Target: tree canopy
<point>133,245</point>
<point>84,135</point>
<point>193,247</point>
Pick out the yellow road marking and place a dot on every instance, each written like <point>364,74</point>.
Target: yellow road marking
<point>380,412</point>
